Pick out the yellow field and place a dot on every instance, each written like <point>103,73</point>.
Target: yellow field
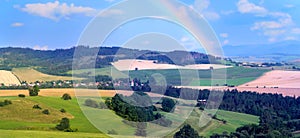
<point>60,92</point>
<point>31,75</point>
<point>8,78</point>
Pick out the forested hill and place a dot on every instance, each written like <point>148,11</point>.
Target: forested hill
<point>59,61</point>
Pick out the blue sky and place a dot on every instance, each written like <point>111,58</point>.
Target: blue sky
<point>50,24</point>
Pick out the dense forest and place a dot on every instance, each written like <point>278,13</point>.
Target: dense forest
<point>59,61</point>
<point>279,115</point>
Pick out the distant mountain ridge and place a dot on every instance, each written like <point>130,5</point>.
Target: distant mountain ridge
<point>282,48</point>
<point>59,61</point>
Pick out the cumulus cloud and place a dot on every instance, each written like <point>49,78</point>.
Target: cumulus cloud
<point>17,24</point>
<point>276,26</point>
<point>37,47</point>
<point>244,6</point>
<point>202,6</point>
<point>56,10</point>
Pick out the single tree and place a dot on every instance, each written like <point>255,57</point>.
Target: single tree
<point>66,96</point>
<point>167,104</point>
<point>34,91</point>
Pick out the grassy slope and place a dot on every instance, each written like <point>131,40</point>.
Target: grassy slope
<point>31,75</point>
<point>47,134</point>
<point>104,119</point>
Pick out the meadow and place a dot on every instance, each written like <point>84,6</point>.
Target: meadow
<point>21,119</point>
<point>234,76</point>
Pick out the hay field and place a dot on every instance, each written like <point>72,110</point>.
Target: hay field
<point>8,78</point>
<point>277,78</point>
<point>132,64</point>
<point>31,75</point>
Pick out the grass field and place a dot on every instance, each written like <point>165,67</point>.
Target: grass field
<point>8,78</point>
<point>20,116</point>
<point>47,134</point>
<point>31,75</point>
<point>234,76</point>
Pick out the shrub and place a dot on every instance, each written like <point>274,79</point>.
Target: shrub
<point>21,95</point>
<point>46,111</point>
<point>62,110</point>
<point>102,105</point>
<point>66,96</point>
<point>91,103</point>
<point>112,132</point>
<point>37,107</point>
<point>5,102</point>
<point>64,124</point>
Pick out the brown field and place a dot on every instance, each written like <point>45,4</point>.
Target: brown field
<point>131,64</point>
<point>31,75</point>
<point>8,78</point>
<point>72,92</point>
<point>283,91</point>
<point>277,78</point>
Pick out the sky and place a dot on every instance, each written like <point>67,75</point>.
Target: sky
<point>52,24</point>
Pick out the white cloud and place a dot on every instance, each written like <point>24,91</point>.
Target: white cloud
<point>225,42</point>
<point>266,25</point>
<point>185,39</point>
<point>17,24</point>
<point>296,30</point>
<point>224,35</point>
<point>111,12</point>
<point>227,12</point>
<point>37,47</point>
<point>289,6</point>
<point>211,15</point>
<point>244,6</point>
<point>56,10</point>
<point>276,26</point>
<point>109,0</point>
<point>202,6</point>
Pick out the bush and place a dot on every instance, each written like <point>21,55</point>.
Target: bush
<point>21,95</point>
<point>112,132</point>
<point>63,125</point>
<point>102,105</point>
<point>5,102</point>
<point>46,111</point>
<point>91,103</point>
<point>62,110</point>
<point>37,107</point>
<point>66,96</point>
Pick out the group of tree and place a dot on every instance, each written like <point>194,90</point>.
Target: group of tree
<point>137,107</point>
<point>279,115</point>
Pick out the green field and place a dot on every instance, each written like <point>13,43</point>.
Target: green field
<point>234,76</point>
<point>21,120</point>
<point>47,134</point>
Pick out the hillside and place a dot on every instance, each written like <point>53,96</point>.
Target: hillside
<point>59,61</point>
<point>8,78</point>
